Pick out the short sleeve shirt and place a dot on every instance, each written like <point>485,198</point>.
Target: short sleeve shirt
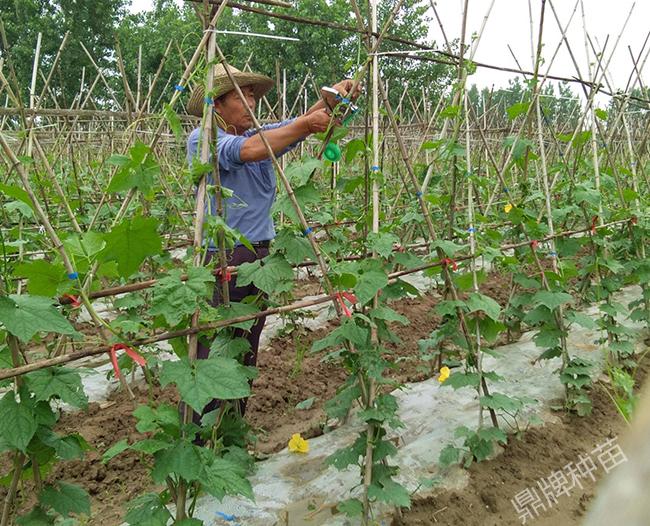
<point>253,184</point>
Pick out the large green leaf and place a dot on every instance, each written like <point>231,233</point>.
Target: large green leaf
<point>295,248</point>
<point>477,301</point>
<point>117,448</point>
<point>339,406</point>
<point>222,477</point>
<point>18,422</point>
<point>204,380</point>
<point>581,319</point>
<point>551,299</point>
<point>448,247</point>
<point>138,170</point>
<point>517,109</point>
<point>182,459</point>
<point>130,242</point>
<point>86,245</point>
<point>272,274</point>
<point>17,193</point>
<point>458,380</point>
<point>43,277</point>
<point>349,455</point>
<point>174,299</point>
<point>368,284</point>
<point>25,315</point>
<point>387,314</point>
<point>148,510</point>
<point>37,517</point>
<point>390,492</point>
<point>352,148</point>
<point>235,310</point>
<point>348,330</point>
<point>351,507</point>
<point>66,499</point>
<point>305,195</point>
<point>21,207</point>
<point>58,382</point>
<point>173,121</point>
<point>164,417</point>
<point>150,446</point>
<point>382,243</point>
<point>501,402</point>
<point>67,448</point>
<point>300,171</point>
<point>449,455</point>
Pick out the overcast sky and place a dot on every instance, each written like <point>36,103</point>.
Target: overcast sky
<point>508,24</point>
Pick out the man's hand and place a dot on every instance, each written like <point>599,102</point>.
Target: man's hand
<point>343,88</point>
<point>317,121</point>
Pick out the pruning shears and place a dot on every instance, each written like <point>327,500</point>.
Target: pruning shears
<point>332,152</point>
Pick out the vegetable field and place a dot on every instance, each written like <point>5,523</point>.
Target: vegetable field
<point>447,260</point>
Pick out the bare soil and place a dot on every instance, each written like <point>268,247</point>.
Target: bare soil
<point>486,501</point>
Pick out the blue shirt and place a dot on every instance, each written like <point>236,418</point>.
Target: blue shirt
<point>252,183</point>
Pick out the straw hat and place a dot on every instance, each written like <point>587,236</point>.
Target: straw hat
<point>261,84</point>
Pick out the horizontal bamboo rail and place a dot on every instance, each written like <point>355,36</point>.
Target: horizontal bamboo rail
<point>77,355</point>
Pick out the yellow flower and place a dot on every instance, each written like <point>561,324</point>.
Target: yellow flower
<point>444,374</point>
<point>297,444</point>
<point>508,208</point>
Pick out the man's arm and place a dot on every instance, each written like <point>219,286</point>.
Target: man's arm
<point>253,148</point>
<point>315,119</point>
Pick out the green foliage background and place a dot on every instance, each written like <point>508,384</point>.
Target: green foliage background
<point>328,54</point>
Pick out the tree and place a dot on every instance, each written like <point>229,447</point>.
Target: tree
<point>90,22</point>
<point>327,54</point>
<point>151,31</point>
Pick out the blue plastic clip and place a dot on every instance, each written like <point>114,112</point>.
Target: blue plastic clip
<point>225,516</point>
<point>375,168</point>
<point>178,87</point>
<point>506,189</point>
<point>307,231</point>
<point>553,254</point>
<point>471,230</point>
<point>418,194</point>
<point>209,101</point>
<point>73,275</point>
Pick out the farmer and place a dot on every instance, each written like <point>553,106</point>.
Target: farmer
<point>246,169</point>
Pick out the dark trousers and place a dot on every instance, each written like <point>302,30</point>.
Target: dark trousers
<point>236,257</point>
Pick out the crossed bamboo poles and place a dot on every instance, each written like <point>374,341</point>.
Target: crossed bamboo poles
<point>71,216</point>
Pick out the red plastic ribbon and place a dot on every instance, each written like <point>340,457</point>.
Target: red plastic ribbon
<point>224,277</point>
<point>137,358</point>
<point>348,296</point>
<point>594,220</point>
<point>448,261</point>
<point>534,244</point>
<point>399,248</point>
<point>74,300</point>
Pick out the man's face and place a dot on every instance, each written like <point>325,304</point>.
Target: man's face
<point>232,110</point>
